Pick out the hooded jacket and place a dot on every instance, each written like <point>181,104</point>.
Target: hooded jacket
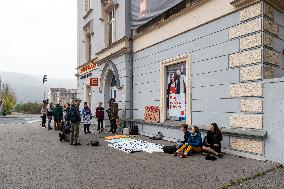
<point>195,140</point>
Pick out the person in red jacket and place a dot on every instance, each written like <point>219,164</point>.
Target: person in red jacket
<point>100,114</point>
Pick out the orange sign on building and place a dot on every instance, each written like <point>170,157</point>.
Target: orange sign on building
<point>88,67</point>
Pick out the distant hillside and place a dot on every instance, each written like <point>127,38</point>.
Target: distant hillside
<point>29,88</point>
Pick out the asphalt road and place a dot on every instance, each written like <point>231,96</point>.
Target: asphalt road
<point>33,157</point>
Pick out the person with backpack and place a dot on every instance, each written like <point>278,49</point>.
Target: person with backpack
<point>49,115</point>
<point>193,143</point>
<point>75,118</point>
<point>212,142</point>
<point>57,115</point>
<point>100,114</point>
<point>87,116</point>
<point>112,114</point>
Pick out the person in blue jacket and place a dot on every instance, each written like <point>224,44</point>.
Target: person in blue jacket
<point>193,144</point>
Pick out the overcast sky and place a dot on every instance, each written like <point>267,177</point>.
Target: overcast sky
<point>38,37</point>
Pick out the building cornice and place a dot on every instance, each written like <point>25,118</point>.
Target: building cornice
<point>172,18</point>
<point>277,4</point>
<point>122,46</point>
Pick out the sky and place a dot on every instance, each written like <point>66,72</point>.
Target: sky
<point>39,37</point>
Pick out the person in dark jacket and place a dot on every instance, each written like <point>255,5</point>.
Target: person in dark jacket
<point>75,118</point>
<point>212,142</point>
<point>112,114</point>
<point>57,116</point>
<point>193,144</point>
<point>49,115</point>
<point>100,114</point>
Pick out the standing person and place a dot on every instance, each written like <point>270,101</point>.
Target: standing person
<point>112,114</point>
<point>49,115</point>
<point>43,115</point>
<point>212,142</point>
<point>87,116</point>
<point>100,114</point>
<point>57,116</point>
<point>75,118</point>
<point>193,144</point>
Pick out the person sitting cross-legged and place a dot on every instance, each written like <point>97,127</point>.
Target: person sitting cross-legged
<point>192,144</point>
<point>212,142</point>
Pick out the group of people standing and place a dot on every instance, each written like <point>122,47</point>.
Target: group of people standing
<point>71,115</point>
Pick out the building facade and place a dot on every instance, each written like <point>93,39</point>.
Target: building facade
<point>195,61</point>
<point>61,95</point>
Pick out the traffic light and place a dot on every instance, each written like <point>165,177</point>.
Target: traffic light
<point>44,79</point>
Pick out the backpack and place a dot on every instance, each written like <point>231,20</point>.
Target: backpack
<point>170,149</point>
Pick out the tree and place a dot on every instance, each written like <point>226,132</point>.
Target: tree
<point>8,98</point>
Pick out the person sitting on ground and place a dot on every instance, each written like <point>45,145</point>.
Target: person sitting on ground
<point>212,142</point>
<point>192,144</point>
<point>87,116</point>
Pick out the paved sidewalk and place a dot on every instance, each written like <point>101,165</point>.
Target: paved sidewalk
<point>33,157</point>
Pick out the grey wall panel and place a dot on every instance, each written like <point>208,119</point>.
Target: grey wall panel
<point>205,118</point>
<point>219,63</point>
<point>201,31</point>
<point>211,92</point>
<point>217,105</point>
<point>281,32</point>
<point>228,47</point>
<point>279,17</point>
<point>216,78</point>
<point>274,120</point>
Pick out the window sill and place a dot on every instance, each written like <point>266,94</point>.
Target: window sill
<point>242,132</point>
<point>88,13</point>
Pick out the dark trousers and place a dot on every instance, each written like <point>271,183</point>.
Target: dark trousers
<point>113,125</point>
<point>100,124</point>
<point>43,120</point>
<point>86,128</point>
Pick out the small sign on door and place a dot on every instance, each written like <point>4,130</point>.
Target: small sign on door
<point>94,82</point>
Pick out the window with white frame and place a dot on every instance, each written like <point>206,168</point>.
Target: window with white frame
<point>111,26</point>
<point>88,5</point>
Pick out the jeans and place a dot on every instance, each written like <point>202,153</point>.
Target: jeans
<point>86,128</point>
<point>43,120</point>
<point>189,148</point>
<point>49,121</point>
<point>74,132</point>
<point>100,124</point>
<point>113,125</point>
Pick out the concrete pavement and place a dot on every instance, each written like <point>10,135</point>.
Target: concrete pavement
<point>33,157</point>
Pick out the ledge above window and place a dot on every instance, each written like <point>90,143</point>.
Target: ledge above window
<point>88,13</point>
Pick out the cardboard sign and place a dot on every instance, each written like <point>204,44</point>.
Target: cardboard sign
<point>177,105</point>
<point>152,114</point>
<point>94,82</point>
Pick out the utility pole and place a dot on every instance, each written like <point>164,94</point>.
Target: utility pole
<point>44,79</point>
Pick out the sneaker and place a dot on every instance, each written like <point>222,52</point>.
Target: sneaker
<point>75,144</point>
<point>89,132</point>
<point>220,155</point>
<point>175,154</point>
<point>182,156</point>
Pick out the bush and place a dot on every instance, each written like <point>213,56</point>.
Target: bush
<point>9,100</point>
<point>28,108</point>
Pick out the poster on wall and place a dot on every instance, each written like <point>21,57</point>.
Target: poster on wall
<point>176,91</point>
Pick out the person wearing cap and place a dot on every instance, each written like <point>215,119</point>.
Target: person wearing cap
<point>75,118</point>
